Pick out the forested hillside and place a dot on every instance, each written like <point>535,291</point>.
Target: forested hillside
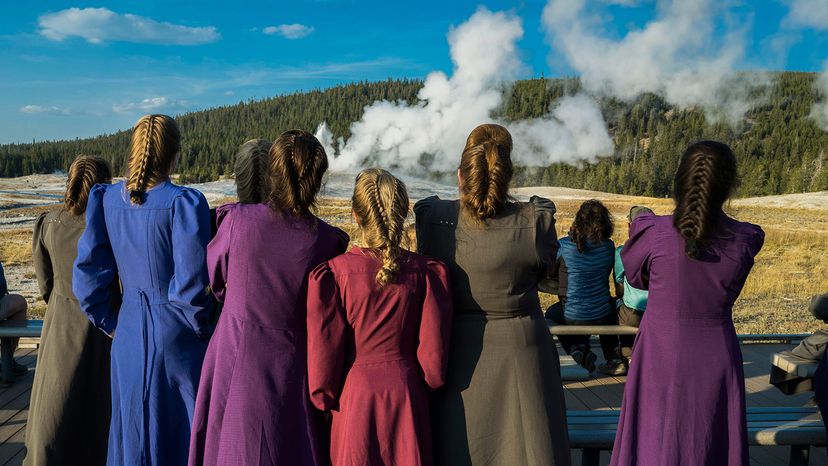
<point>780,149</point>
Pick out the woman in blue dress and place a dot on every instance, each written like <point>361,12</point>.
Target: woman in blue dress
<point>154,234</point>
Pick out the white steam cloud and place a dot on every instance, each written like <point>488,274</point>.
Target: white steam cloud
<point>677,55</point>
<point>819,112</point>
<point>431,134</point>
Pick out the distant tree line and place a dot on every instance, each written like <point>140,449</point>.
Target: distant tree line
<point>780,149</point>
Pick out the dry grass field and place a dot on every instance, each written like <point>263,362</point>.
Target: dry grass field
<point>792,267</point>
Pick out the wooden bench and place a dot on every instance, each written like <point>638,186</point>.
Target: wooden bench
<point>9,330</point>
<point>798,428</point>
<point>793,365</point>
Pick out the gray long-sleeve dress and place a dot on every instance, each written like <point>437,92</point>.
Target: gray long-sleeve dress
<point>70,405</point>
<point>503,402</point>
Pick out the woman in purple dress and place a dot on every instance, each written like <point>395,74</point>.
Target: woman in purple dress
<point>694,263</point>
<point>252,406</point>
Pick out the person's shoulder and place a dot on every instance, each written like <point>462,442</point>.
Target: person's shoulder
<point>187,195</point>
<point>542,204</point>
<point>423,206</point>
<point>329,231</point>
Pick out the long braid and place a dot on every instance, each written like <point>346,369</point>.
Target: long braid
<point>138,183</point>
<point>381,204</point>
<point>704,180</point>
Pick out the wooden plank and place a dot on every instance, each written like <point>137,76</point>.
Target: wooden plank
<point>12,433</point>
<point>556,329</point>
<point>17,328</point>
<point>13,450</point>
<point>16,460</point>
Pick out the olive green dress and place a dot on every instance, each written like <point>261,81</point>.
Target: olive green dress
<point>70,406</point>
<point>503,402</point>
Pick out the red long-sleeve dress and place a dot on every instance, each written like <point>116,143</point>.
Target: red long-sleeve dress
<point>373,354</point>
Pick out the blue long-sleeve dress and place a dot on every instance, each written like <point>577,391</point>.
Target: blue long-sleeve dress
<point>159,250</point>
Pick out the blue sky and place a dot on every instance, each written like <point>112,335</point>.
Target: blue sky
<point>62,76</point>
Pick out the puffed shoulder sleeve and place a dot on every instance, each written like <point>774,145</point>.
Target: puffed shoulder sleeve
<point>41,259</point>
<point>636,255</point>
<point>422,210</point>
<point>546,242</point>
<point>95,267</point>
<point>435,324</point>
<point>327,326</point>
<point>757,239</point>
<point>218,251</point>
<point>188,289</point>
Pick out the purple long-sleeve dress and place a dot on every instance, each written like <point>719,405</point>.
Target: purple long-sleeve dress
<point>684,401</point>
<point>252,406</point>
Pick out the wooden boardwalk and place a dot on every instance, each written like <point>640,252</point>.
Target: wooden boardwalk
<point>597,393</point>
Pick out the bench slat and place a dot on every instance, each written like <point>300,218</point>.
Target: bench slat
<point>29,328</point>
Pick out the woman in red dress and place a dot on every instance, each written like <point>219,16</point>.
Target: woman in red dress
<point>378,329</point>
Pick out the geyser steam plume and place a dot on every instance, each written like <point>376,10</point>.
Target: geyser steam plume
<point>677,55</point>
<point>431,134</point>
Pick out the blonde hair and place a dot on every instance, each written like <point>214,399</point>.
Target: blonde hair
<point>251,171</point>
<point>155,143</point>
<point>380,203</point>
<point>486,169</point>
<point>84,173</point>
<point>297,164</point>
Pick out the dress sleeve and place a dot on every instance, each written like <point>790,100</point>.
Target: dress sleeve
<point>757,239</point>
<point>42,261</point>
<point>435,325</point>
<point>188,289</point>
<point>637,253</point>
<point>546,243</point>
<point>95,268</point>
<point>218,252</point>
<point>327,325</point>
<point>421,219</point>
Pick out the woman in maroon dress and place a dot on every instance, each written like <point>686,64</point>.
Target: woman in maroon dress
<point>378,329</point>
<point>252,407</point>
<point>684,401</point>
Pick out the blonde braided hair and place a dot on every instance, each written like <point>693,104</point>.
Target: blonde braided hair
<point>380,203</point>
<point>156,141</point>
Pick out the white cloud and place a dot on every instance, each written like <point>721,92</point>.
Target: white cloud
<point>807,14</point>
<point>98,25</point>
<point>38,109</point>
<point>149,104</point>
<point>289,31</point>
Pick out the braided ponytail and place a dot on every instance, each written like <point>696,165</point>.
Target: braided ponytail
<point>380,203</point>
<point>486,169</point>
<point>155,144</point>
<point>705,179</point>
<point>84,173</point>
<point>297,164</point>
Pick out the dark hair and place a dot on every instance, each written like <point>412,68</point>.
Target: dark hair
<point>297,164</point>
<point>593,224</point>
<point>486,169</point>
<point>251,171</point>
<point>705,179</point>
<point>84,173</point>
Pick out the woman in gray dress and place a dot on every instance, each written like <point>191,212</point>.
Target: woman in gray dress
<point>503,402</point>
<point>70,404</point>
